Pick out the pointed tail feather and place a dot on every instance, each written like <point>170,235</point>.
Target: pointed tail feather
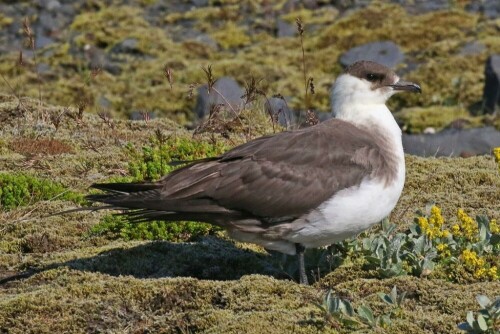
<point>126,187</point>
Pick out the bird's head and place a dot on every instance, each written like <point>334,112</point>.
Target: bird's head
<point>368,83</point>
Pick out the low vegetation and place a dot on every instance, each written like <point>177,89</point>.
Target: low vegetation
<point>422,269</point>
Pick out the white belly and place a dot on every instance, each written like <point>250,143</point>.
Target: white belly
<point>348,213</point>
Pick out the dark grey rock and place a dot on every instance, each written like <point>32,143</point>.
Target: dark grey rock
<point>385,52</point>
<point>489,8</point>
<point>453,142</point>
<point>228,87</point>
<point>200,3</point>
<point>278,108</point>
<point>423,6</point>
<point>43,69</point>
<point>42,40</point>
<point>104,102</point>
<point>472,48</point>
<point>206,40</point>
<point>97,58</point>
<point>128,45</point>
<point>285,29</point>
<point>141,115</point>
<point>491,93</point>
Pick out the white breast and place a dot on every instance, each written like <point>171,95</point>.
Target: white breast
<point>349,212</point>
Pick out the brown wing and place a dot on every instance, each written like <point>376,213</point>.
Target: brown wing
<point>287,174</point>
<point>283,175</point>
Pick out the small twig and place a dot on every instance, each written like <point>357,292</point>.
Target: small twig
<point>31,41</point>
<point>169,74</point>
<point>300,29</point>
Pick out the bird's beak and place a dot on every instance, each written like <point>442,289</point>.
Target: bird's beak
<point>406,86</point>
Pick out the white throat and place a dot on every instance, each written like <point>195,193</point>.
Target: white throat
<point>354,101</point>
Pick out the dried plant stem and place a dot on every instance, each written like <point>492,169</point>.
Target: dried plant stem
<point>12,89</point>
<point>38,79</point>
<point>228,104</point>
<point>304,66</point>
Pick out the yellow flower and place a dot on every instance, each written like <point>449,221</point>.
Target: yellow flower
<point>479,273</point>
<point>423,223</point>
<point>494,227</point>
<point>455,230</point>
<point>445,233</point>
<point>436,218</point>
<point>441,247</point>
<point>492,272</point>
<point>468,225</point>
<point>496,153</point>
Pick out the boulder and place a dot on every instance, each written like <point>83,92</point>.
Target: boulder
<point>279,109</point>
<point>228,87</point>
<point>385,52</point>
<point>491,93</point>
<point>453,142</point>
<point>489,8</point>
<point>472,48</point>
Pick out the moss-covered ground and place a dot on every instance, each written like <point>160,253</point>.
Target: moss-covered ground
<point>243,43</point>
<point>57,276</point>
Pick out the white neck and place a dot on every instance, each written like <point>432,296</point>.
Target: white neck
<point>355,102</point>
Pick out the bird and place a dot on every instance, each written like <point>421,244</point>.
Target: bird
<point>298,189</point>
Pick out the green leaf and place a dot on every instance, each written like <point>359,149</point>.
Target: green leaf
<point>394,295</point>
<point>470,319</point>
<point>366,313</point>
<point>482,323</point>
<point>385,298</point>
<point>483,301</point>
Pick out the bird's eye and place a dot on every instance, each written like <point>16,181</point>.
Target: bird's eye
<point>373,77</point>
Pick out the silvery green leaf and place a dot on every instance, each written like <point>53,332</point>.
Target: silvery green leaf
<point>482,323</point>
<point>346,308</point>
<point>401,298</point>
<point>366,313</point>
<point>483,233</point>
<point>394,295</point>
<point>470,319</point>
<point>483,301</point>
<point>385,298</point>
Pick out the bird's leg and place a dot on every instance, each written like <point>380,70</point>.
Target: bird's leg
<point>302,267</point>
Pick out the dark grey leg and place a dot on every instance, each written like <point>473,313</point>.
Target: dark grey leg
<point>302,266</point>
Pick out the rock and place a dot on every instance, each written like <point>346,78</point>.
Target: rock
<point>199,3</point>
<point>207,40</point>
<point>142,116</point>
<point>228,87</point>
<point>385,52</point>
<point>128,45</point>
<point>417,7</point>
<point>43,69</point>
<point>453,142</point>
<point>489,8</point>
<point>472,48</point>
<point>41,39</point>
<point>491,93</point>
<point>97,58</point>
<point>285,29</point>
<point>278,108</point>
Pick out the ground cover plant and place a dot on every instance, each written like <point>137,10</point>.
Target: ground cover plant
<point>431,267</point>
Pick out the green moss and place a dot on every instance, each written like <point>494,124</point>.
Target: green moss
<point>18,189</point>
<point>154,160</point>
<point>451,183</point>
<point>114,227</point>
<point>5,20</point>
<point>417,119</point>
<point>231,36</point>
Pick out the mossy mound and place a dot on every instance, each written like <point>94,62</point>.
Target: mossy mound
<point>62,300</point>
<point>242,42</point>
<point>57,276</point>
